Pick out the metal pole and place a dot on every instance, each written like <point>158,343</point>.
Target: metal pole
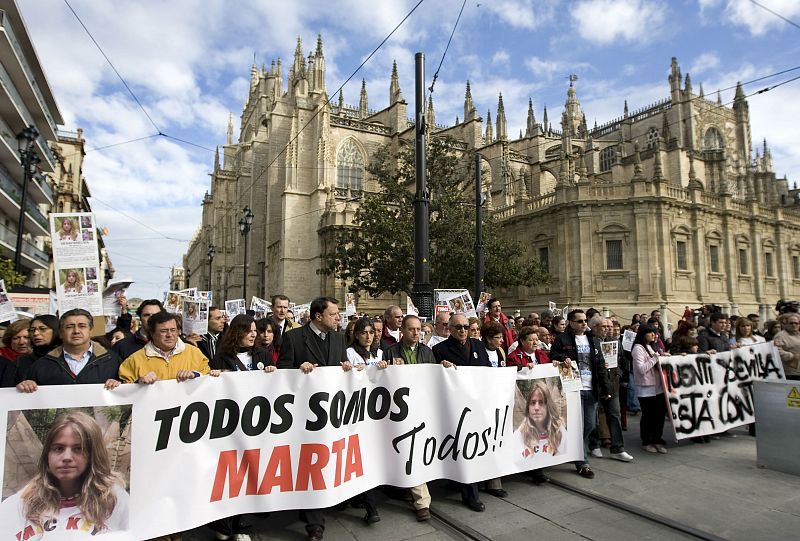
<point>26,173</point>
<point>244,281</point>
<point>478,230</point>
<point>422,293</point>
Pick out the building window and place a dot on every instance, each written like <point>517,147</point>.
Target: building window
<point>713,140</point>
<point>613,254</point>
<point>652,137</point>
<point>607,158</point>
<point>680,250</point>
<point>544,258</point>
<point>796,267</point>
<point>713,257</point>
<point>743,261</point>
<point>769,269</point>
<point>349,166</point>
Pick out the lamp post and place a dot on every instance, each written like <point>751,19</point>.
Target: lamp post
<point>244,226</point>
<point>25,141</point>
<point>210,255</point>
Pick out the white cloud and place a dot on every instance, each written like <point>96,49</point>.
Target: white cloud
<point>758,20</point>
<point>704,63</point>
<point>549,69</point>
<point>516,13</point>
<point>608,21</point>
<point>501,57</point>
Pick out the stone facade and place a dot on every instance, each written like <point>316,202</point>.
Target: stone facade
<point>665,206</point>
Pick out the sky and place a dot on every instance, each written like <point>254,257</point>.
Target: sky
<point>188,64</point>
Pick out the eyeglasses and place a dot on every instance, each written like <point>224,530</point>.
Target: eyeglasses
<point>41,329</point>
<point>165,332</point>
<point>579,321</point>
<point>460,327</point>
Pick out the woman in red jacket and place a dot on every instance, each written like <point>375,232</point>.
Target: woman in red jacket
<point>529,351</point>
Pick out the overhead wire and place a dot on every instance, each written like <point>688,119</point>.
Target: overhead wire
<point>765,8</point>
<point>444,54</point>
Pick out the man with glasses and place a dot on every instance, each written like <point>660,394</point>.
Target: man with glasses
<point>461,350</point>
<point>131,344</point>
<point>77,360</point>
<point>441,329</point>
<point>165,356</point>
<point>575,344</point>
<point>788,343</point>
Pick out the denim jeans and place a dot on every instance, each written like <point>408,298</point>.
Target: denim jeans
<point>612,413</point>
<point>589,407</point>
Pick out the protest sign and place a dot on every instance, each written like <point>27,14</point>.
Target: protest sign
<point>194,315</point>
<point>7,312</point>
<point>235,307</point>
<point>610,353</point>
<point>173,302</point>
<point>481,308</point>
<point>77,262</point>
<point>713,393</point>
<point>115,289</point>
<point>261,307</point>
<point>570,375</point>
<point>628,337</point>
<point>255,442</point>
<point>458,301</point>
<point>410,308</point>
<point>349,305</point>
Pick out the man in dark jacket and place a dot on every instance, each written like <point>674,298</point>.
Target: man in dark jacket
<point>310,346</point>
<point>392,320</point>
<point>130,345</point>
<point>78,360</point>
<point>577,345</point>
<point>713,338</point>
<point>409,350</point>
<point>461,350</point>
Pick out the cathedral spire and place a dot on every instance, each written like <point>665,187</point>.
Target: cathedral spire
<point>394,87</point>
<point>687,85</point>
<point>489,138</point>
<point>430,114</point>
<point>530,126</point>
<point>341,101</point>
<point>230,128</point>
<point>502,128</point>
<point>625,110</point>
<point>719,98</point>
<point>363,104</point>
<point>469,107</point>
<point>319,66</point>
<point>658,173</point>
<point>545,123</point>
<point>216,159</point>
<point>572,118</point>
<point>702,93</point>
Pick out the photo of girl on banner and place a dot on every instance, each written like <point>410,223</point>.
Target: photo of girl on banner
<point>72,485</point>
<point>72,281</point>
<point>540,417</point>
<point>68,229</point>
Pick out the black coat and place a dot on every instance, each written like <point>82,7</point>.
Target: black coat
<point>473,353</point>
<point>52,369</point>
<point>7,370</point>
<point>564,346</point>
<point>223,361</point>
<point>300,345</point>
<point>129,345</point>
<point>204,345</point>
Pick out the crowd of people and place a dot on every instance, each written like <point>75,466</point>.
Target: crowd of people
<point>50,350</point>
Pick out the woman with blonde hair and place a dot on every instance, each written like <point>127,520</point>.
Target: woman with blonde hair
<point>744,333</point>
<point>542,430</point>
<point>73,485</point>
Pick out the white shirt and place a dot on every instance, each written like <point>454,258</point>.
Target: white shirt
<point>494,358</point>
<point>356,359</point>
<point>435,339</point>
<point>78,364</point>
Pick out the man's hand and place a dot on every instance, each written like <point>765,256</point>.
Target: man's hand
<point>270,368</point>
<point>112,384</point>
<point>448,364</point>
<point>398,361</point>
<point>347,366</point>
<point>711,352</point>
<point>193,339</point>
<point>531,365</point>
<point>215,373</point>
<point>382,365</point>
<point>307,367</point>
<point>148,379</point>
<point>27,386</point>
<point>184,375</point>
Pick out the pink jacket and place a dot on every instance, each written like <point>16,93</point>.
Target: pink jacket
<point>645,367</point>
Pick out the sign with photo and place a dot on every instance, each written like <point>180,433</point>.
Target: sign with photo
<point>77,262</point>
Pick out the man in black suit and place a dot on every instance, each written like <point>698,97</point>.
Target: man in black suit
<point>312,345</point>
<point>461,350</point>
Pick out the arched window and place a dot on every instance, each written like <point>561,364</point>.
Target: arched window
<point>607,158</point>
<point>547,183</point>
<point>652,137</point>
<point>713,140</point>
<point>349,166</point>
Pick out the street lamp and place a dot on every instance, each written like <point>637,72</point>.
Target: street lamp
<point>210,260</point>
<point>25,141</point>
<point>244,226</point>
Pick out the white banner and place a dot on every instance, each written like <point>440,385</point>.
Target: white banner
<point>708,394</point>
<point>252,441</point>
<point>77,262</point>
<point>7,311</point>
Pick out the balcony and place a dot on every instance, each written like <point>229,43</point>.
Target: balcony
<point>11,196</point>
<point>31,255</point>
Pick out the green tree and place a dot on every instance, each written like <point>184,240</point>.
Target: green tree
<point>376,254</point>
<point>7,273</point>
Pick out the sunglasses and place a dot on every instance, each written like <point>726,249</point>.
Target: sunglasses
<point>461,327</point>
<point>579,321</point>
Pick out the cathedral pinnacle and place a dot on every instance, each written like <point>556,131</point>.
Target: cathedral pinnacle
<point>545,123</point>
<point>230,128</point>
<point>530,126</point>
<point>625,110</point>
<point>430,114</point>
<point>489,138</point>
<point>363,104</point>
<point>394,87</point>
<point>502,129</point>
<point>739,92</point>
<point>318,53</point>
<point>469,106</point>
<point>687,85</point>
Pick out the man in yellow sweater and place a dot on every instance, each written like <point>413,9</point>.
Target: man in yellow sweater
<point>166,356</point>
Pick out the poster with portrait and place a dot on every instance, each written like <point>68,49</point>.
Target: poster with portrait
<point>7,311</point>
<point>235,307</point>
<point>194,315</point>
<point>49,437</point>
<point>349,304</point>
<point>297,311</point>
<point>570,375</point>
<point>458,301</point>
<point>546,425</point>
<point>77,262</point>
<point>261,307</point>
<point>610,353</point>
<point>482,307</point>
<point>173,302</point>
<point>410,308</point>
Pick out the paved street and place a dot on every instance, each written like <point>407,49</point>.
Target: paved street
<point>715,488</point>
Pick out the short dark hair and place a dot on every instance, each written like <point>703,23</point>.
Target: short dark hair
<point>753,316</point>
<point>278,297</point>
<point>158,319</point>
<point>525,332</point>
<point>491,301</point>
<point>240,326</point>
<point>716,316</point>
<point>319,305</point>
<point>75,312</point>
<point>149,302</point>
<point>407,318</point>
<point>491,328</point>
<point>571,315</point>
